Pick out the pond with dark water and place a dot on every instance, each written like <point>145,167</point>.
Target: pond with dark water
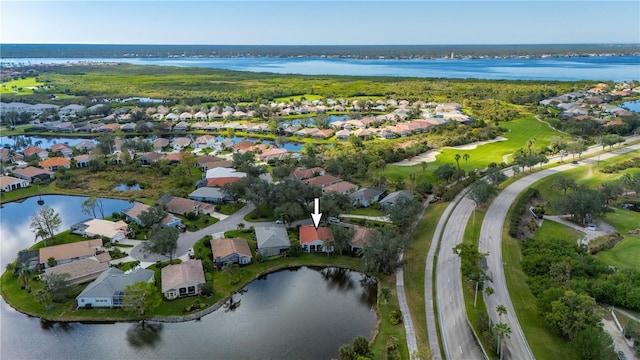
<point>299,313</point>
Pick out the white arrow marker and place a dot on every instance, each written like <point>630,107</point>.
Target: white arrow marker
<point>316,215</point>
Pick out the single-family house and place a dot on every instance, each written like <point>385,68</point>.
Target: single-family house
<point>34,150</point>
<point>133,214</point>
<point>322,181</point>
<point>55,163</point>
<point>62,149</point>
<point>160,143</point>
<point>342,187</point>
<point>82,160</point>
<point>303,174</point>
<point>210,194</point>
<point>150,158</point>
<point>221,181</point>
<point>31,173</point>
<point>200,115</point>
<point>180,143</point>
<point>173,158</point>
<point>272,240</point>
<point>172,117</point>
<point>85,146</point>
<point>272,153</point>
<point>107,128</point>
<point>112,230</point>
<point>312,240</point>
<point>70,110</point>
<point>393,197</point>
<point>366,196</point>
<point>361,236</point>
<point>219,172</point>
<point>181,126</point>
<point>79,272</point>
<point>128,127</point>
<point>182,206</point>
<point>234,250</point>
<point>323,134</point>
<point>108,289</point>
<point>67,253</point>
<point>343,134</point>
<point>306,131</point>
<point>205,141</point>
<point>200,125</point>
<point>184,279</point>
<point>10,183</point>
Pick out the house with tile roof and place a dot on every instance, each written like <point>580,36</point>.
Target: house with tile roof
<point>80,271</point>
<point>85,145</point>
<point>361,236</point>
<point>222,181</point>
<point>182,206</point>
<point>233,250</point>
<point>313,240</point>
<point>31,173</point>
<point>62,149</point>
<point>160,143</point>
<point>34,150</point>
<point>322,181</point>
<point>55,163</point>
<point>272,154</point>
<point>67,253</point>
<point>133,214</point>
<point>303,174</point>
<point>10,183</point>
<point>342,187</point>
<point>366,196</point>
<point>272,240</point>
<point>150,158</point>
<point>184,279</point>
<point>112,230</point>
<point>108,289</point>
<point>393,197</point>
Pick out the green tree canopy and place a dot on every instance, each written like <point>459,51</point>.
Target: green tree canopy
<point>162,240</point>
<point>140,298</point>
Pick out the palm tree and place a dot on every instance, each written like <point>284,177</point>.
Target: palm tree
<point>501,309</point>
<point>562,154</point>
<point>530,143</point>
<point>457,157</point>
<point>230,268</point>
<point>503,330</point>
<point>489,290</point>
<point>23,275</point>
<point>466,159</point>
<point>424,165</point>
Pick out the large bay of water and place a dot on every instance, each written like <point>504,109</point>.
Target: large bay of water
<point>615,68</point>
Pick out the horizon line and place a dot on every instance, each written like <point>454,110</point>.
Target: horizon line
<point>343,45</point>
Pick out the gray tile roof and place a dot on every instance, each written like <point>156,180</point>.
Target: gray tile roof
<point>114,280</point>
<point>272,237</point>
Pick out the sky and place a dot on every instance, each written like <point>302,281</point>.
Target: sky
<point>319,22</point>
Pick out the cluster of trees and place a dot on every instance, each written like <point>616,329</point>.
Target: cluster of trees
<point>567,282</point>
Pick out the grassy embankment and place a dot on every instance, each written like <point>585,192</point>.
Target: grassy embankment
<point>542,339</point>
<point>414,268</point>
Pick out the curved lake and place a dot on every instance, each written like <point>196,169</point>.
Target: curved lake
<point>302,313</point>
<point>15,233</point>
<point>614,68</point>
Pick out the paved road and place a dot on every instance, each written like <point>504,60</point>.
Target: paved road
<point>458,340</point>
<point>516,347</point>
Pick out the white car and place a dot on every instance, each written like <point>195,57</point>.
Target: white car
<point>279,222</point>
<point>592,227</point>
<point>333,220</point>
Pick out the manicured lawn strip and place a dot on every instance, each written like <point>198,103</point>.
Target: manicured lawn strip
<point>472,234</point>
<point>386,329</point>
<point>369,211</point>
<point>414,268</point>
<point>200,223</point>
<point>543,341</point>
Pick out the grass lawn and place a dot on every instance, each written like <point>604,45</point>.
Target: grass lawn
<point>201,222</point>
<point>414,268</point>
<point>627,252</point>
<point>229,208</point>
<point>368,211</point>
<point>544,343</point>
<point>20,86</point>
<point>521,130</point>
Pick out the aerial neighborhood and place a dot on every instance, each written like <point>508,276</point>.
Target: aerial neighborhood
<point>219,192</point>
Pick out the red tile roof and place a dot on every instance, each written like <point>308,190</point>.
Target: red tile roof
<point>309,234</point>
<point>30,150</point>
<point>56,161</point>
<point>218,182</point>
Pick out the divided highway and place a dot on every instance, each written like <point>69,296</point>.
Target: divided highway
<point>457,338</point>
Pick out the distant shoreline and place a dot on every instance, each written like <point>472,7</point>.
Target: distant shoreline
<point>398,52</point>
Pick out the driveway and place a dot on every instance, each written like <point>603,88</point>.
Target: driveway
<point>587,235</point>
